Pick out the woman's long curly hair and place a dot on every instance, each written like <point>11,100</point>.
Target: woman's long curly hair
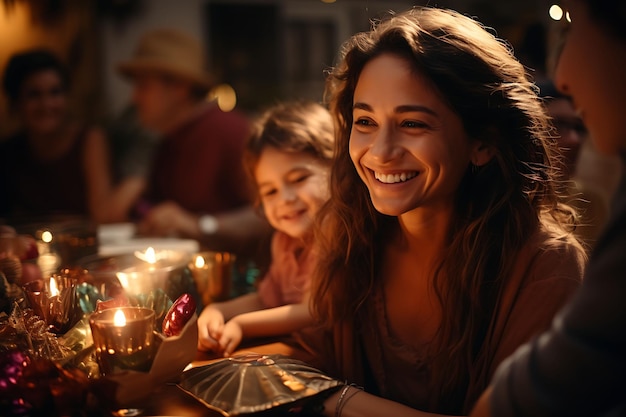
<point>497,208</point>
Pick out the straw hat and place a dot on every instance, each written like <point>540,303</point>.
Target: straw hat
<point>171,52</point>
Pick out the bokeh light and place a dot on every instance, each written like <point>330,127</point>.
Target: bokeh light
<point>556,13</point>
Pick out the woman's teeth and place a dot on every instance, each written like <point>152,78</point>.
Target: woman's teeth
<point>393,178</point>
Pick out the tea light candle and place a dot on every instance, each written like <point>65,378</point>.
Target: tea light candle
<point>153,267</point>
<point>123,339</point>
<point>200,271</point>
<point>212,273</point>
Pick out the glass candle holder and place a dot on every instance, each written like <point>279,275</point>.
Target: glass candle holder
<point>55,301</point>
<point>123,339</point>
<point>213,273</point>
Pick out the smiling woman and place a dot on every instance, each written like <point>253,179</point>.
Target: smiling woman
<point>444,245</point>
<point>410,150</point>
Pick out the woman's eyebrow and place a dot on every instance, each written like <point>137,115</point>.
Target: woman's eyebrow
<point>405,108</point>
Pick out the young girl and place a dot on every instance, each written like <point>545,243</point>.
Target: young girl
<point>288,155</point>
<point>444,245</point>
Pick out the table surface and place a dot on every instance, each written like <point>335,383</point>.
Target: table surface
<point>170,400</point>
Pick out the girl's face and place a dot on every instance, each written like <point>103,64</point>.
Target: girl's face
<point>591,69</point>
<point>409,148</point>
<point>42,102</point>
<point>292,186</point>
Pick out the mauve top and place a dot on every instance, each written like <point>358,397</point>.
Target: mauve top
<point>545,275</point>
<point>289,274</point>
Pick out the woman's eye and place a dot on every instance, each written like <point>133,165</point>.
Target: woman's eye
<point>364,122</point>
<point>300,178</point>
<point>414,124</point>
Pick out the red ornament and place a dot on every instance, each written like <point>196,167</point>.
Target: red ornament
<point>178,315</point>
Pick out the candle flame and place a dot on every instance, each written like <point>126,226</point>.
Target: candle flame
<point>199,262</point>
<point>54,291</point>
<point>150,255</point>
<point>119,320</point>
<point>123,279</point>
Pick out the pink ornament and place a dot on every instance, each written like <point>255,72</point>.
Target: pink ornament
<point>178,315</point>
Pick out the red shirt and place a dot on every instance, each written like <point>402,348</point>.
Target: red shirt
<point>200,166</point>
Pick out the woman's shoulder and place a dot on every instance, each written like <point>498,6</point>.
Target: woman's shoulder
<point>551,255</point>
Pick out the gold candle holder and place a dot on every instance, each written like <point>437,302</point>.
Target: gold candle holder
<point>123,339</point>
<point>212,273</point>
<point>55,301</point>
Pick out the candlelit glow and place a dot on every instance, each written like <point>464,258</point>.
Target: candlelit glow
<point>46,236</point>
<point>54,291</point>
<point>199,262</point>
<point>123,279</point>
<point>119,320</point>
<point>150,255</point>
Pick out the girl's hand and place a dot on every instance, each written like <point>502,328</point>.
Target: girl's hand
<point>231,337</point>
<point>210,328</point>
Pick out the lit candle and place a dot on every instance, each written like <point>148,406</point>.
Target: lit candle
<point>156,271</point>
<point>201,273</point>
<point>123,339</point>
<point>53,296</point>
<point>55,301</point>
<point>212,274</point>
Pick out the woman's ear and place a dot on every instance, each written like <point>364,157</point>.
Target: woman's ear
<point>482,153</point>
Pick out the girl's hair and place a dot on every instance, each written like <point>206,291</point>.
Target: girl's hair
<point>498,206</point>
<point>297,126</point>
<point>24,64</point>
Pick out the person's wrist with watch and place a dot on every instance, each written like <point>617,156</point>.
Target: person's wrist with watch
<point>208,224</point>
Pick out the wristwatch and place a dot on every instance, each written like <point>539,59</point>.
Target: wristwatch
<point>208,224</point>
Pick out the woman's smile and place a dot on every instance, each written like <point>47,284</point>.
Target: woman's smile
<point>394,178</point>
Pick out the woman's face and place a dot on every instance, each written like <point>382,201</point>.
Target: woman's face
<point>409,148</point>
<point>42,102</point>
<point>591,69</point>
<point>292,187</point>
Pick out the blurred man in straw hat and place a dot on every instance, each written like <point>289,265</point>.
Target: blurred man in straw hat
<point>197,187</point>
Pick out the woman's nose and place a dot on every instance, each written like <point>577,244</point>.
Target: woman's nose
<point>383,146</point>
